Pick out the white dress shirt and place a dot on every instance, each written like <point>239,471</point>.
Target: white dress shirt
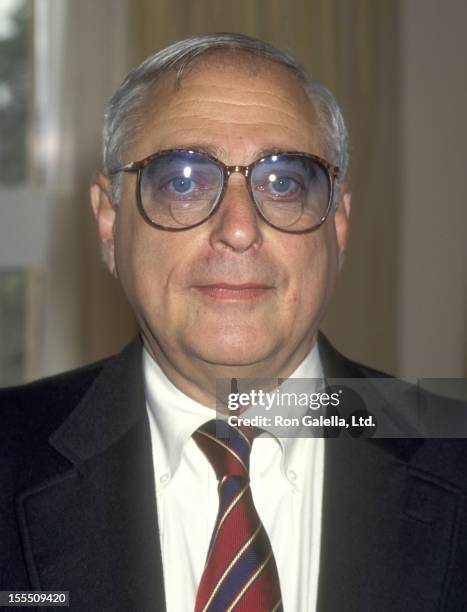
<point>286,476</point>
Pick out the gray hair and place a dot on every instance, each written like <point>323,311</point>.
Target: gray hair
<point>121,116</point>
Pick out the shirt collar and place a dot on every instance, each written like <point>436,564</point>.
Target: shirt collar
<point>174,416</point>
<point>308,377</point>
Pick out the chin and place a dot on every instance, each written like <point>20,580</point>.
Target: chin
<point>233,360</point>
<point>236,351</point>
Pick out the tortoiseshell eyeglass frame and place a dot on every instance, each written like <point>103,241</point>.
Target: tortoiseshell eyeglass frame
<point>331,171</point>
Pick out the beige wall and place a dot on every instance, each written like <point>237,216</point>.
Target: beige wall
<point>433,249</point>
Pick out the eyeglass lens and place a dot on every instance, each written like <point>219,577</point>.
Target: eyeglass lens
<point>180,189</point>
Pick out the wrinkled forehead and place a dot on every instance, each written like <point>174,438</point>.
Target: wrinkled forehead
<point>244,69</point>
<point>220,94</point>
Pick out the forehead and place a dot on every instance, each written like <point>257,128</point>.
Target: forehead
<point>234,106</point>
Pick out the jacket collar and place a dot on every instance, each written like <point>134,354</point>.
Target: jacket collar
<point>116,402</point>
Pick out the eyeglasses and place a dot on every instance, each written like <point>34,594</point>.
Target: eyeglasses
<point>179,189</point>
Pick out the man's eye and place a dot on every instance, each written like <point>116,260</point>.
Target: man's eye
<point>282,186</point>
<point>180,185</point>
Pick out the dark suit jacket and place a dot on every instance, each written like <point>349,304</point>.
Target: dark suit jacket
<point>78,509</point>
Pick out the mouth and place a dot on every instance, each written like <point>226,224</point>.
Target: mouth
<point>232,292</point>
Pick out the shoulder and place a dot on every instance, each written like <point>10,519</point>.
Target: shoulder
<point>40,406</point>
<point>413,422</point>
<point>30,413</point>
<point>336,365</point>
<point>366,371</point>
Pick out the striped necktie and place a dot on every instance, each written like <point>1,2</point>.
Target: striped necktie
<point>240,572</point>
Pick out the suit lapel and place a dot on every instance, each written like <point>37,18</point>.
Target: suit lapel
<point>91,528</point>
<point>387,526</point>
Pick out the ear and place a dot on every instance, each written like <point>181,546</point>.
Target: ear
<point>341,217</point>
<point>105,214</point>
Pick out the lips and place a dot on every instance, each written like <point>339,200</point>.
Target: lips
<point>227,291</point>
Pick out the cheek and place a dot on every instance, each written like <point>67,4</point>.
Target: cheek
<point>313,269</point>
<point>140,266</point>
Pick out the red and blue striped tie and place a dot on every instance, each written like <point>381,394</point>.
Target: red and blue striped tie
<point>240,572</point>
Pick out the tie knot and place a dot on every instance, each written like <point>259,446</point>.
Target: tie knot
<point>227,448</point>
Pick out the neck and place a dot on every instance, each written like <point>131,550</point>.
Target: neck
<point>209,384</point>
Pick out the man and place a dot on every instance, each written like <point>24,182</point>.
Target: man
<point>223,211</point>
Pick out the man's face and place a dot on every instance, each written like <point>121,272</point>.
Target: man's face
<point>187,288</point>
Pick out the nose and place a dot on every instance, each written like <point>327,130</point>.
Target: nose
<point>236,224</point>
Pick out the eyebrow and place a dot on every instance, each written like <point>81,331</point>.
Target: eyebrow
<point>220,152</point>
<point>203,147</point>
<point>271,150</point>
